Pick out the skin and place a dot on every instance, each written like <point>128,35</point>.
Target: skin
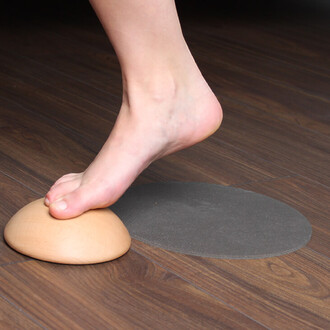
<point>167,104</point>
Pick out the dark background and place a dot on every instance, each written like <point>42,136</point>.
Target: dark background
<point>23,11</point>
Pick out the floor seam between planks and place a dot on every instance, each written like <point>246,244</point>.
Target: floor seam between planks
<point>274,164</point>
<point>273,81</point>
<point>19,182</point>
<point>15,262</point>
<point>22,311</point>
<point>241,47</point>
<point>316,252</point>
<point>199,288</point>
<point>264,180</point>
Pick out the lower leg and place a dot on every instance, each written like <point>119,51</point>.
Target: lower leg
<point>167,105</point>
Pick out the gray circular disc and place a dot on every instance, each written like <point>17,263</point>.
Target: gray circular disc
<point>211,220</point>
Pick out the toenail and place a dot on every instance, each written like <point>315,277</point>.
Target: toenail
<point>46,201</point>
<point>60,205</point>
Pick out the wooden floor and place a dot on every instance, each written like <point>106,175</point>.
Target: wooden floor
<point>60,93</point>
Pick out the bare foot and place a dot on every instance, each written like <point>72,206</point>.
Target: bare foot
<point>152,123</point>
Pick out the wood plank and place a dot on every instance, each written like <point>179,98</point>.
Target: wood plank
<point>287,292</point>
<point>298,150</point>
<point>91,122</point>
<point>28,176</point>
<point>130,292</point>
<point>38,147</point>
<point>228,55</point>
<point>13,196</point>
<point>293,106</point>
<point>264,84</point>
<point>21,68</point>
<point>213,163</point>
<point>12,318</point>
<point>81,61</point>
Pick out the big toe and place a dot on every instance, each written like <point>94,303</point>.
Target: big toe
<point>73,204</point>
<point>59,190</point>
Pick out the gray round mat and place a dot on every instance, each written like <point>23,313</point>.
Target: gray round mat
<point>211,220</point>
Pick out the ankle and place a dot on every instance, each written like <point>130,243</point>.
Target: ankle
<point>163,81</point>
<point>156,88</point>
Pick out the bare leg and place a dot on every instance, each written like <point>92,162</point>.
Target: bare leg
<point>167,105</point>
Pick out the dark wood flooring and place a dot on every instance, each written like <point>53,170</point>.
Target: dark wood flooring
<point>269,64</point>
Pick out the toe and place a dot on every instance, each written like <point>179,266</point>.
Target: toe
<point>73,204</point>
<point>61,189</point>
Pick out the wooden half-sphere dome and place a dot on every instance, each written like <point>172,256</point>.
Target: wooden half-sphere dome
<point>93,237</point>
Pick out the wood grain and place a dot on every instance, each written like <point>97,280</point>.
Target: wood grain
<point>222,163</point>
<point>298,150</point>
<point>284,292</point>
<point>13,196</point>
<point>66,56</point>
<point>130,292</point>
<point>297,106</point>
<point>13,318</point>
<point>37,144</point>
<point>49,80</point>
<point>63,108</point>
